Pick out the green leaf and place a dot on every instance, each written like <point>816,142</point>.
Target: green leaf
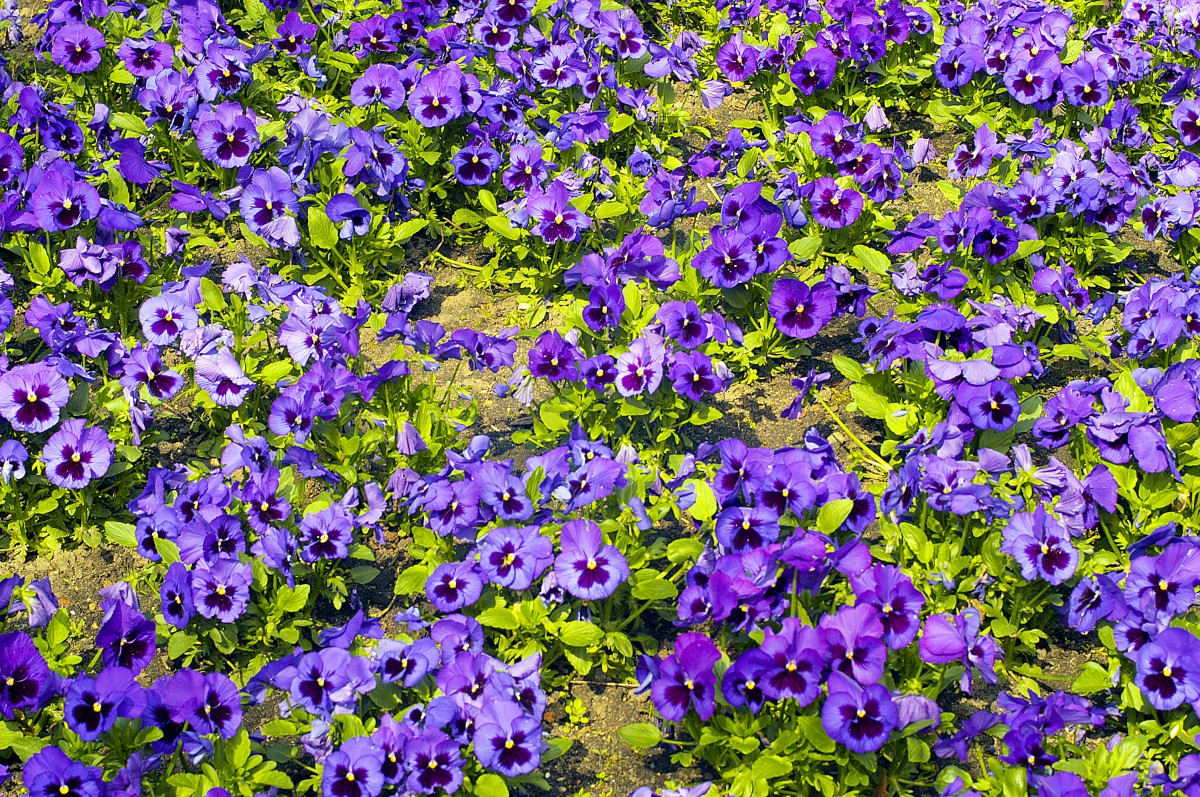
<point>499,617</point>
<point>869,402</point>
<point>214,297</point>
<point>292,599</point>
<point>872,260</point>
<point>705,505</point>
<point>1092,679</point>
<point>685,550</point>
<point>620,122</point>
<point>168,550</point>
<point>282,728</point>
<point>806,248</point>
<point>949,189</point>
<point>503,227</point>
<point>833,514</point>
<point>611,209</point>
<point>128,122</point>
<point>747,162</point>
<point>813,732</point>
<point>275,371</point>
<point>121,533</point>
<point>579,633</point>
<point>275,778</point>
<point>181,642</point>
<point>654,589</point>
<point>410,228</point>
<point>767,767</point>
<point>1072,52</point>
<point>412,580</point>
<point>1027,248</point>
<point>632,407</point>
<point>558,748</point>
<point>641,735</point>
<point>487,199</point>
<point>849,368</point>
<point>489,785</point>
<point>237,749</point>
<point>321,231</point>
<point>705,414</point>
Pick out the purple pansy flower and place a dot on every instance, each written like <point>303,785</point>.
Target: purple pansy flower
<point>686,679</point>
<point>587,567</point>
<point>32,396</point>
<point>861,718</point>
<point>76,455</point>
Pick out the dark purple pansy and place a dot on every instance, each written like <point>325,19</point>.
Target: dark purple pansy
<point>861,718</point>
<point>801,311</point>
<point>686,680</point>
<point>587,567</point>
<point>77,48</point>
<point>76,454</point>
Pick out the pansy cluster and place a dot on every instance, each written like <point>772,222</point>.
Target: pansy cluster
<point>964,231</point>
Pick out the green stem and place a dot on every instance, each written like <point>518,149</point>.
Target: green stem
<point>836,419</point>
